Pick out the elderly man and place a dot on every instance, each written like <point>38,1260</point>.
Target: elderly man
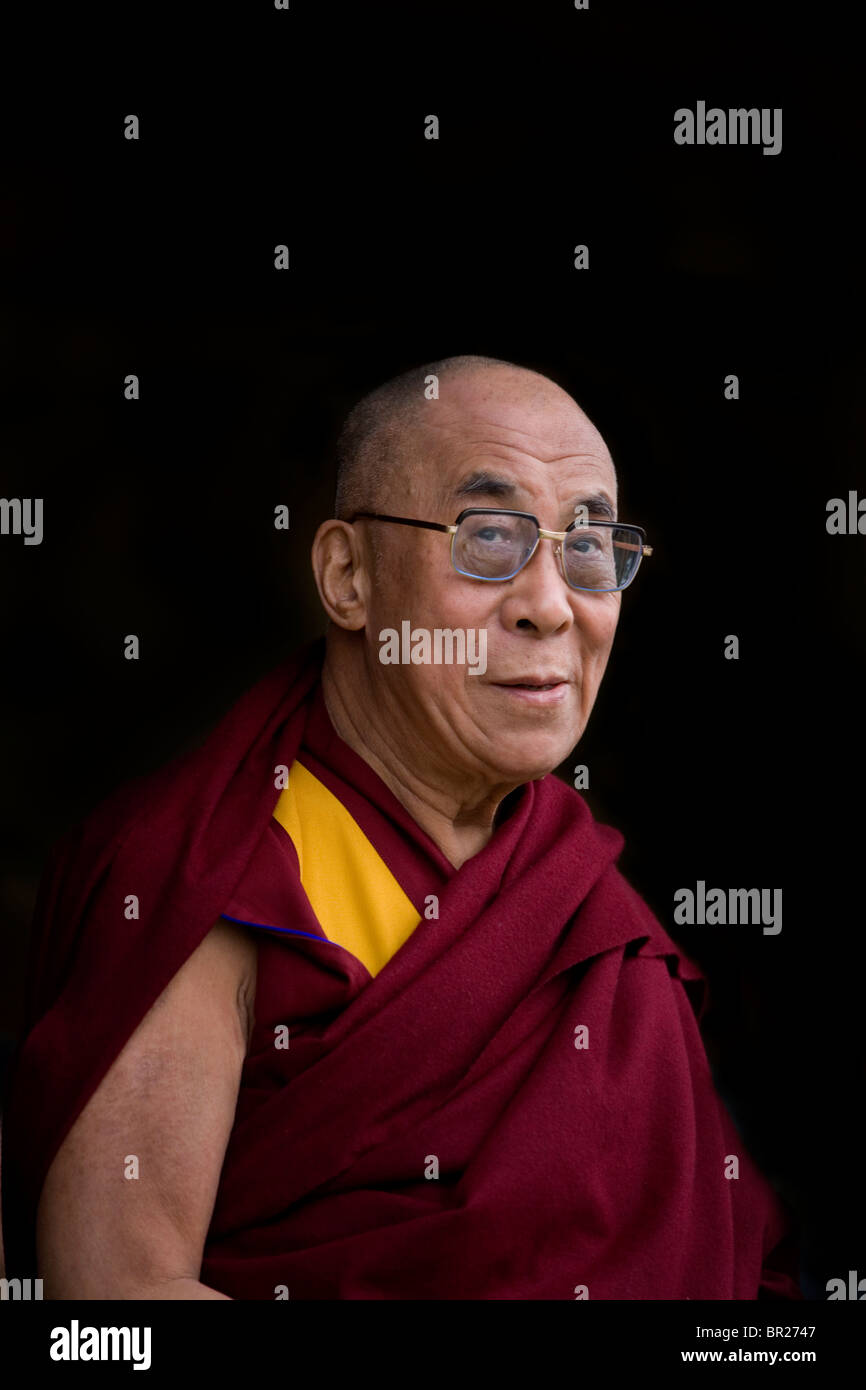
<point>352,1002</point>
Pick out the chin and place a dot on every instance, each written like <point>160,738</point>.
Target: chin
<point>528,765</point>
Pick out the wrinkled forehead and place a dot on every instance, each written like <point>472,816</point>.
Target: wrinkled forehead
<point>537,438</point>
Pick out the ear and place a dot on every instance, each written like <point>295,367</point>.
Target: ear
<point>341,574</point>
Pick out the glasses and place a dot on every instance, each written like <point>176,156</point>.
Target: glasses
<point>598,557</point>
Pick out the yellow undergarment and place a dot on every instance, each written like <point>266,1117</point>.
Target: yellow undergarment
<point>357,900</point>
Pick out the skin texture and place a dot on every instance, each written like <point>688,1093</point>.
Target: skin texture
<point>450,745</point>
<point>169,1098</point>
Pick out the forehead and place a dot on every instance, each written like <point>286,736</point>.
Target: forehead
<point>538,439</point>
<point>518,403</point>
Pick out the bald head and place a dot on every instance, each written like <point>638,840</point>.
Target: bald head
<point>391,436</point>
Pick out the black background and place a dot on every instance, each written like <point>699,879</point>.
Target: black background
<point>556,128</point>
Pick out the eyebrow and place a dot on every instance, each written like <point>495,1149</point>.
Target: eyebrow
<point>481,483</point>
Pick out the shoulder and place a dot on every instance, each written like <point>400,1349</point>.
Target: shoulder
<point>223,967</point>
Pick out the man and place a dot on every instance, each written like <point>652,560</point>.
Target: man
<point>353,1001</point>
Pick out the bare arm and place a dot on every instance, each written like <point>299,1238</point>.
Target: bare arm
<point>168,1101</point>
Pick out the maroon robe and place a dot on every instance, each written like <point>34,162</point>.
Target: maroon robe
<point>563,1172</point>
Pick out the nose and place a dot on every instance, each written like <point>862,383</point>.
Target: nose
<point>538,597</point>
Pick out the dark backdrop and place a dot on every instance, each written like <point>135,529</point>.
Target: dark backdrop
<point>156,258</point>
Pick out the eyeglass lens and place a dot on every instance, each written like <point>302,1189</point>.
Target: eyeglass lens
<point>494,545</point>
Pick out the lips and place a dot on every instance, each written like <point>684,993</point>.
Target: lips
<point>535,693</point>
<point>535,682</point>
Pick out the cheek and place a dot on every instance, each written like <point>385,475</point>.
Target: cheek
<point>601,626</point>
<point>445,600</point>
<point>397,591</point>
<point>597,635</point>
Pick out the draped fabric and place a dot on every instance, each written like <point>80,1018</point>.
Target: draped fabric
<point>366,875</point>
<point>514,1103</point>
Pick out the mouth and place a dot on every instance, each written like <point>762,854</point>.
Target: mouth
<point>535,692</point>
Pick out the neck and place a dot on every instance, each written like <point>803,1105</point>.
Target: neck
<point>460,825</point>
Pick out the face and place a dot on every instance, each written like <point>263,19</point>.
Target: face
<point>482,727</point>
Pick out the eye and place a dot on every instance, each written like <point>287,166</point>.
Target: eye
<point>585,545</point>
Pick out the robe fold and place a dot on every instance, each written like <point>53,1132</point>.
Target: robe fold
<point>509,1099</point>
